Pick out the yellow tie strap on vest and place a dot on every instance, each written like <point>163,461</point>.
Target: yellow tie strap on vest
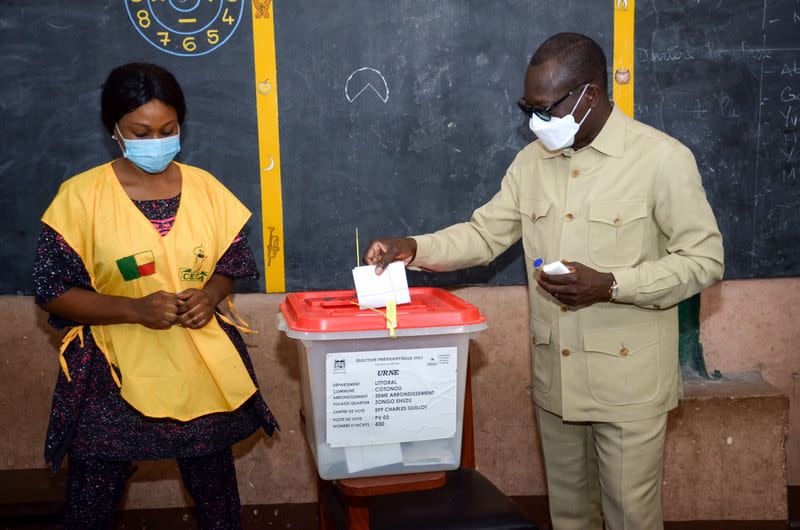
<point>390,315</point>
<point>77,331</point>
<point>242,326</point>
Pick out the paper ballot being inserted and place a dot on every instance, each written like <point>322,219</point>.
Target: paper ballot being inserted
<point>376,291</point>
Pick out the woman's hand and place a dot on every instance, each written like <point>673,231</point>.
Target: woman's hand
<point>158,310</point>
<point>195,308</point>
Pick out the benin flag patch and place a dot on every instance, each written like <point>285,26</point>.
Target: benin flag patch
<point>136,266</point>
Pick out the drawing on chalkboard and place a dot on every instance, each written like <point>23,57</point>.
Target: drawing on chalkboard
<point>186,27</point>
<point>273,245</point>
<point>264,87</point>
<point>363,79</point>
<point>261,8</point>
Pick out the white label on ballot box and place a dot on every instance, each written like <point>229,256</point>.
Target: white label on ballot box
<point>390,396</point>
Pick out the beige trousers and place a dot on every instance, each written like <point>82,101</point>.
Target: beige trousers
<point>603,472</point>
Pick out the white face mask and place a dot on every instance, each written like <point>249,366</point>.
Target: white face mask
<point>558,133</point>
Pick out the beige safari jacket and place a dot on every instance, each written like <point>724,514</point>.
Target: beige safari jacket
<point>632,203</point>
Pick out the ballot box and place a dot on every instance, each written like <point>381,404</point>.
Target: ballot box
<point>377,404</point>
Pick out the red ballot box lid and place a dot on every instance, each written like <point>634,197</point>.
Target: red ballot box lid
<point>339,311</point>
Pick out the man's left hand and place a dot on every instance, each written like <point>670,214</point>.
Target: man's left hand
<point>583,286</point>
<point>195,308</point>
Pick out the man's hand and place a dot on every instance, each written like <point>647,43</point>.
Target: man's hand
<point>382,252</point>
<point>195,308</point>
<point>156,311</point>
<point>583,286</point>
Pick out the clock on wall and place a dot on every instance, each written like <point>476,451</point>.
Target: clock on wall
<point>185,27</point>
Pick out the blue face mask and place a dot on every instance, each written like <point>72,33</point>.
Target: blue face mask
<point>153,154</point>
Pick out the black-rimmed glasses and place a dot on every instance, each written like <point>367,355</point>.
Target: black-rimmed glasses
<point>544,112</point>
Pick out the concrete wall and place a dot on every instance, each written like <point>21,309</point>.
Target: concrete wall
<point>746,326</point>
<point>750,325</point>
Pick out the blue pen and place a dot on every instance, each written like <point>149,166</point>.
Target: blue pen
<point>537,263</point>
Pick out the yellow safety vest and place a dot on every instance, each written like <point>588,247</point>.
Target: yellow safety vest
<point>175,373</point>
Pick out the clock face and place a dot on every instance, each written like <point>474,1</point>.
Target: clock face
<point>185,27</point>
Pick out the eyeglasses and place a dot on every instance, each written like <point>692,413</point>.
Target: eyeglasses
<point>544,112</point>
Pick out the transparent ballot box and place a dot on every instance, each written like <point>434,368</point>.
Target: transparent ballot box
<point>375,404</point>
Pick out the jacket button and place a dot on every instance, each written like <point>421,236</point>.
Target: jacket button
<point>533,216</point>
<point>623,351</point>
<point>570,217</point>
<point>617,221</point>
<point>565,352</point>
<point>563,309</point>
<point>575,173</point>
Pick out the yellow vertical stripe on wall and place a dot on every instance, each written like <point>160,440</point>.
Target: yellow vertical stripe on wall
<point>269,153</point>
<point>624,17</point>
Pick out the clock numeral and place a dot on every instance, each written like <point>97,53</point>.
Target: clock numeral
<point>164,37</point>
<point>226,17</point>
<point>213,36</point>
<point>189,45</point>
<point>144,18</point>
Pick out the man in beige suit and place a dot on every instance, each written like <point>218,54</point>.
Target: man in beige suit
<point>622,205</point>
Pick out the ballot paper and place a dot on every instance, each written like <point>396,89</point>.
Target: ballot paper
<point>369,457</point>
<point>556,268</point>
<point>376,291</point>
<point>432,452</point>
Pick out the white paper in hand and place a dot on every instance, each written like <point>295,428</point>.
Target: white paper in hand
<point>377,291</point>
<point>556,268</point>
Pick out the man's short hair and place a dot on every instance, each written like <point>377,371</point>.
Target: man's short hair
<point>581,58</point>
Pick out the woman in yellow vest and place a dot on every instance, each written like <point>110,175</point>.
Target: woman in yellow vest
<point>134,257</point>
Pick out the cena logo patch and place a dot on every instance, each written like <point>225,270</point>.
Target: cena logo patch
<point>188,275</point>
<point>137,265</point>
<point>193,273</point>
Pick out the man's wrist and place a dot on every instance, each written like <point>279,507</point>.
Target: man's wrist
<point>413,244</point>
<point>613,289</point>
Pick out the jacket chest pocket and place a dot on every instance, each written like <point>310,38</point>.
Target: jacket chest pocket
<point>537,216</point>
<point>616,232</point>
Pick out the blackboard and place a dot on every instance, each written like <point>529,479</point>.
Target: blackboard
<point>400,118</point>
<point>724,78</point>
<point>55,57</point>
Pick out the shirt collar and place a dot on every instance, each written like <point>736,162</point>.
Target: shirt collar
<point>610,141</point>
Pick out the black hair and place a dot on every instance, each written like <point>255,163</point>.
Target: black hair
<point>582,59</point>
<point>131,85</point>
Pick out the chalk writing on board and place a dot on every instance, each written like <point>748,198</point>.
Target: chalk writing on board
<point>724,78</point>
<point>364,80</point>
<point>185,27</point>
